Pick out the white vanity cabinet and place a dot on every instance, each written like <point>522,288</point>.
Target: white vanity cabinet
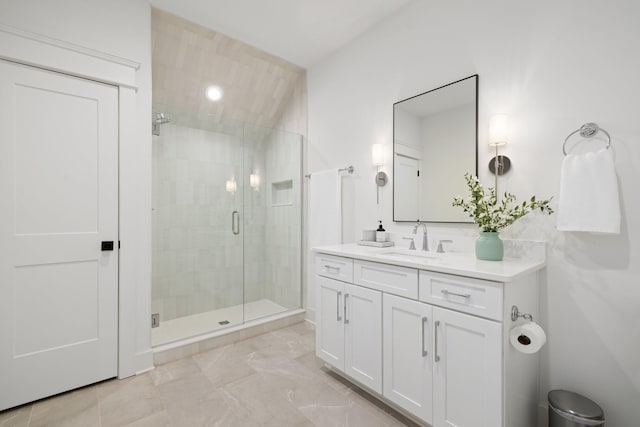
<point>430,339</point>
<point>329,325</point>
<point>408,355</point>
<point>349,324</point>
<point>467,370</point>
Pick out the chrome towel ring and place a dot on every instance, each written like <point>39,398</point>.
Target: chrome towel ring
<point>587,130</point>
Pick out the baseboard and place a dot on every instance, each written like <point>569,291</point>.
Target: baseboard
<point>311,315</point>
<point>543,415</point>
<point>144,362</point>
<point>144,371</point>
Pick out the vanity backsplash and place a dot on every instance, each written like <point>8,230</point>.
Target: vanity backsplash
<point>463,240</point>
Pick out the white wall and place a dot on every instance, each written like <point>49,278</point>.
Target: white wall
<point>551,66</point>
<point>120,28</point>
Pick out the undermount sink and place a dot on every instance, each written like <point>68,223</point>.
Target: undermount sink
<point>413,255</point>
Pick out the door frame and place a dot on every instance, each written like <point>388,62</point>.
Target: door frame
<point>134,270</point>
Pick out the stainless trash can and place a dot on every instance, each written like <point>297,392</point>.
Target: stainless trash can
<point>569,409</point>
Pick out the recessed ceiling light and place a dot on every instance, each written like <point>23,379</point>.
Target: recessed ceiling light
<point>214,93</point>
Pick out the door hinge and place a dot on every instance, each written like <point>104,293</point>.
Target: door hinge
<point>155,320</point>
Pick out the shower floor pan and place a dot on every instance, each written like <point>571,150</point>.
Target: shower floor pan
<point>211,321</point>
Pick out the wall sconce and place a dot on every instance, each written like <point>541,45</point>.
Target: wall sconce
<point>231,186</point>
<point>498,136</point>
<point>377,158</point>
<point>254,181</point>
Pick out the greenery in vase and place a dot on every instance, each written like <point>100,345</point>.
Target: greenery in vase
<point>491,215</point>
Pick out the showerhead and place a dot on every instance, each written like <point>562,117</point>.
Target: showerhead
<point>161,118</point>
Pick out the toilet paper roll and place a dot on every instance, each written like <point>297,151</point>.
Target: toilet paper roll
<point>527,338</point>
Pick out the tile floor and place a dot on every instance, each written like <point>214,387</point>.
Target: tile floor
<point>270,380</point>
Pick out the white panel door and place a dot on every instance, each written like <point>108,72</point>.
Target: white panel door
<point>329,325</point>
<point>363,336</point>
<point>408,355</point>
<point>59,193</point>
<point>467,370</point>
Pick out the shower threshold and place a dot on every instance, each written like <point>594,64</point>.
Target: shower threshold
<point>211,321</point>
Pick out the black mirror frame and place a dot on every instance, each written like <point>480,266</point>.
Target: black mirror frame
<point>394,143</point>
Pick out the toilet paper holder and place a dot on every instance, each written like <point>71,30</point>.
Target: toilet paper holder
<point>515,314</point>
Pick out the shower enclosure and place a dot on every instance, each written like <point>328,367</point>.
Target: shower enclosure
<point>226,224</point>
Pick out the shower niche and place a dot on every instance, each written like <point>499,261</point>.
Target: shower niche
<point>282,193</point>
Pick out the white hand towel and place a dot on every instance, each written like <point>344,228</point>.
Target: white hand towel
<point>589,193</point>
<point>325,208</point>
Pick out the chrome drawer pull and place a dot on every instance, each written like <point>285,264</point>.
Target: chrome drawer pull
<point>424,322</point>
<point>338,318</point>
<point>330,267</point>
<point>436,355</point>
<point>346,321</point>
<point>446,292</point>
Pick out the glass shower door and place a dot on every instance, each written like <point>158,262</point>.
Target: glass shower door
<point>198,246</point>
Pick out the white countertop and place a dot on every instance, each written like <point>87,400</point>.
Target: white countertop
<point>458,263</point>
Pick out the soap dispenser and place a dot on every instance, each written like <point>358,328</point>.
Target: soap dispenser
<point>381,234</point>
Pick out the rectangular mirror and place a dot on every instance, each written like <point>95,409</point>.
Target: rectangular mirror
<point>435,139</point>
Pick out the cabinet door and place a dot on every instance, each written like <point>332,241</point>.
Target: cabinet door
<point>407,336</point>
<point>467,370</point>
<point>329,325</point>
<point>363,336</point>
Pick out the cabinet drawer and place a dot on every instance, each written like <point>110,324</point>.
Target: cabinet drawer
<point>392,279</point>
<point>474,296</point>
<point>335,267</point>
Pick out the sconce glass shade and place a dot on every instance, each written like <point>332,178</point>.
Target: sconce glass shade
<point>254,181</point>
<point>377,155</point>
<point>498,136</point>
<point>231,186</point>
<point>498,129</point>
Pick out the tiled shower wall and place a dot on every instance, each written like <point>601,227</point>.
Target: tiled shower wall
<point>283,233</point>
<point>254,220</point>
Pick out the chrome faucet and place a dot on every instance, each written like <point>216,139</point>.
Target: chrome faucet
<point>425,237</point>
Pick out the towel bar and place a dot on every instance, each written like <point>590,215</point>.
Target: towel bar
<point>348,169</point>
<point>587,130</point>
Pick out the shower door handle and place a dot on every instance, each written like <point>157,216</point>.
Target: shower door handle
<point>235,222</point>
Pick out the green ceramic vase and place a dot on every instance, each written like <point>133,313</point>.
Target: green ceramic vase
<point>489,246</point>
